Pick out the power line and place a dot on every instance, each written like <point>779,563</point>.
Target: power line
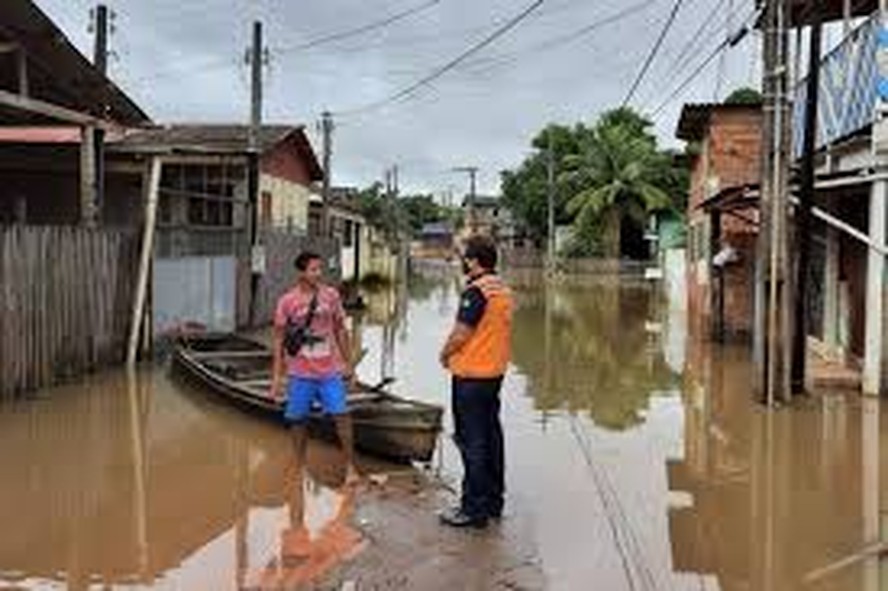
<point>339,36</point>
<point>726,44</point>
<point>217,63</point>
<point>560,40</point>
<point>718,50</point>
<point>680,62</point>
<point>653,54</point>
<point>437,73</point>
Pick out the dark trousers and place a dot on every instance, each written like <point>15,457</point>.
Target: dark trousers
<point>479,436</point>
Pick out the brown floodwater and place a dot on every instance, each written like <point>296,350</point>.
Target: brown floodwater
<point>636,461</point>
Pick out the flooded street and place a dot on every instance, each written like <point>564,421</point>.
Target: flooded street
<point>635,461</point>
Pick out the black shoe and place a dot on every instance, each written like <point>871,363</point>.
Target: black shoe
<point>495,515</point>
<point>456,518</point>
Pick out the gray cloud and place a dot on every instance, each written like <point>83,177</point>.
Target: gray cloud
<point>184,61</point>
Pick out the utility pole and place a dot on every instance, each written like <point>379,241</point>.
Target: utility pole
<point>327,128</point>
<point>93,150</point>
<point>772,322</point>
<point>550,165</point>
<point>806,199</point>
<point>771,214</point>
<point>472,171</point>
<point>257,59</point>
<point>100,53</point>
<point>253,136</point>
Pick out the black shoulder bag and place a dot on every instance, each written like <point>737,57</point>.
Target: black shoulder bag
<point>296,335</point>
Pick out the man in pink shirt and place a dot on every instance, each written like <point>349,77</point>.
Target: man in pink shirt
<point>311,348</point>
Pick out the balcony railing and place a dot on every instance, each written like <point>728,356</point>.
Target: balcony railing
<point>849,88</point>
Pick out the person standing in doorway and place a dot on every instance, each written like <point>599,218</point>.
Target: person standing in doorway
<point>311,353</point>
<point>477,354</point>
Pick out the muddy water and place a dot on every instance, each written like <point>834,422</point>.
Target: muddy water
<point>635,461</point>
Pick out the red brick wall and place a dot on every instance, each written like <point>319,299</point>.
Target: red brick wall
<point>735,146</point>
<point>287,162</point>
<point>731,153</point>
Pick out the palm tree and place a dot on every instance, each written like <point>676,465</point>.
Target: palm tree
<point>622,176</point>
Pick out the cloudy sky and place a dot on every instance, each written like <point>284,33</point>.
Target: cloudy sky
<point>184,61</point>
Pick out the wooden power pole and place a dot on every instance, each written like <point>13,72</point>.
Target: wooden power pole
<point>253,136</point>
<point>327,128</point>
<point>771,315</point>
<point>550,194</point>
<point>472,171</point>
<point>93,138</point>
<point>257,60</point>
<point>806,201</point>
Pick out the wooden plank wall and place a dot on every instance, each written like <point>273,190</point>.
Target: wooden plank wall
<point>65,300</point>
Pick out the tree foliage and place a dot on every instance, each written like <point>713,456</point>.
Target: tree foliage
<point>608,174</point>
<point>405,215</point>
<point>744,96</point>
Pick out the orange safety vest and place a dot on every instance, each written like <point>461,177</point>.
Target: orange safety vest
<point>489,350</point>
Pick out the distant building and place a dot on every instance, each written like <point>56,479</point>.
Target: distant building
<point>435,241</point>
<point>363,248</point>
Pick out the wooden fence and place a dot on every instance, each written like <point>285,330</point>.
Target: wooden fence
<point>65,302</point>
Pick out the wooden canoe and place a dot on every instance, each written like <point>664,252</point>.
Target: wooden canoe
<point>238,369</point>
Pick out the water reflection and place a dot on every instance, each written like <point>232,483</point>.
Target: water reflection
<point>134,481</point>
<point>591,347</point>
<point>786,500</point>
<point>306,554</point>
<point>652,470</point>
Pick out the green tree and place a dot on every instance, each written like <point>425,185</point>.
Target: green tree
<point>525,190</point>
<point>744,96</point>
<point>622,176</point>
<point>421,210</point>
<point>606,174</point>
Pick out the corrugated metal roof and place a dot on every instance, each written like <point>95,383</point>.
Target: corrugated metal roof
<point>58,73</point>
<point>216,139</point>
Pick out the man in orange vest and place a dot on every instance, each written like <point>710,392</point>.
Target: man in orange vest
<point>477,354</point>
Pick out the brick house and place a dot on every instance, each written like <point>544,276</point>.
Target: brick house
<point>725,146</point>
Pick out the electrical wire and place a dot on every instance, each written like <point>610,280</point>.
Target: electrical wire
<point>361,30</point>
<point>699,70</point>
<point>653,53</point>
<point>727,43</point>
<point>561,40</point>
<point>680,62</point>
<point>452,64</point>
<point>217,63</point>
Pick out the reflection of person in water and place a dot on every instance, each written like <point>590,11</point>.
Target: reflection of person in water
<point>302,557</point>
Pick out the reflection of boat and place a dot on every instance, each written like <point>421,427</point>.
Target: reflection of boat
<point>385,425</point>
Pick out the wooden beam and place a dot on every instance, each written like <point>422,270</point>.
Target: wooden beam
<point>875,285</point>
<point>23,75</point>
<point>38,107</point>
<point>145,261</point>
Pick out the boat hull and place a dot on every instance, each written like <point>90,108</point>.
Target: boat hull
<point>385,425</point>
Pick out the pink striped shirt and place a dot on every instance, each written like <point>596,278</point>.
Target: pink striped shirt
<point>320,359</point>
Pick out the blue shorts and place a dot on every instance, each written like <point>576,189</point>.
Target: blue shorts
<point>303,393</point>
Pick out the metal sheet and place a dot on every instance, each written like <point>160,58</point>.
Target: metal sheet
<point>194,291</point>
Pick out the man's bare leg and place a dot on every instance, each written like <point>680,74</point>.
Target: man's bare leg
<point>347,442</point>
